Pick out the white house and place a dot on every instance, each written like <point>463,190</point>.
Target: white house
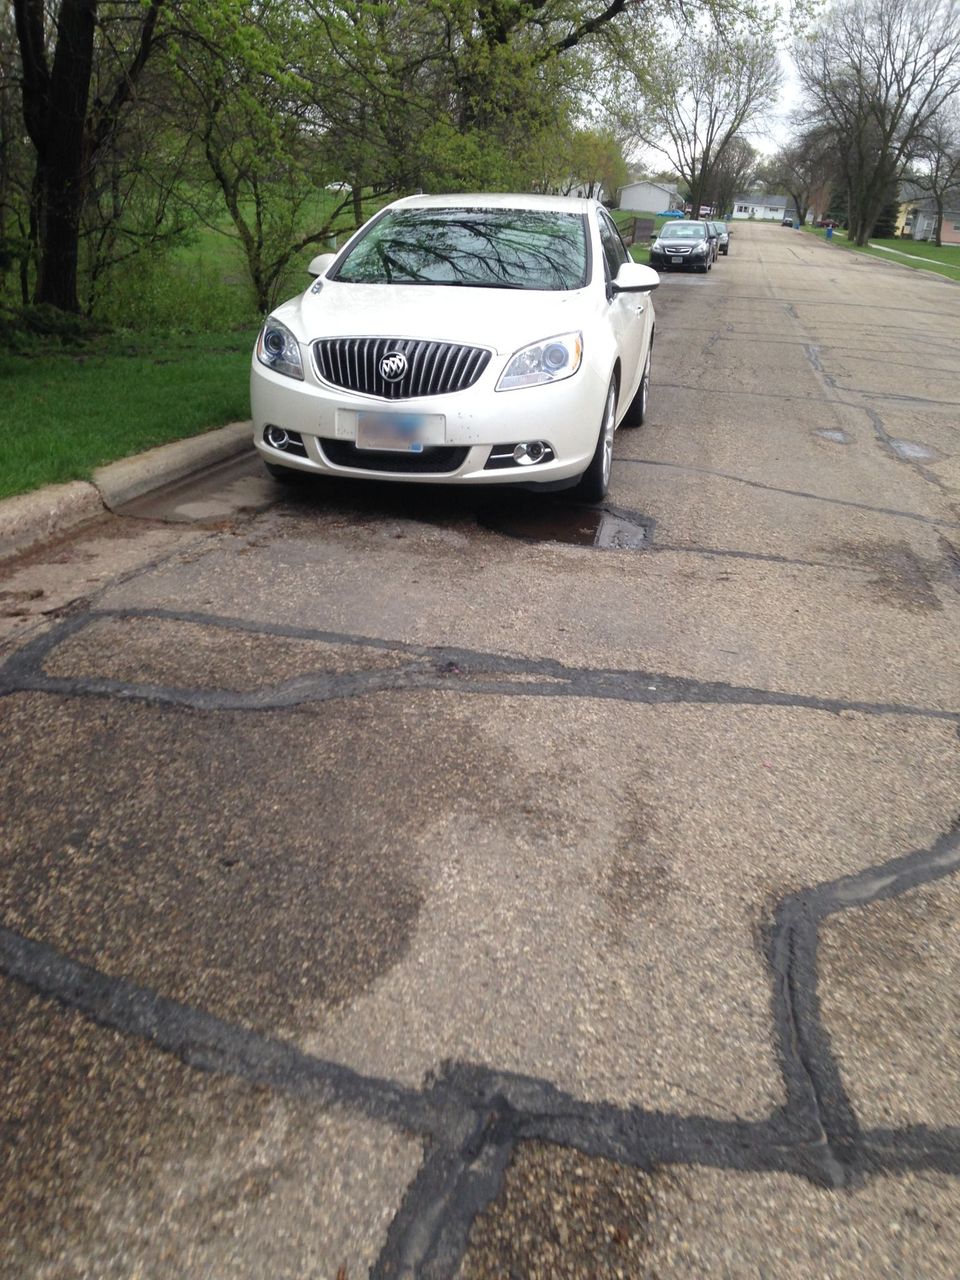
<point>649,197</point>
<point>753,204</point>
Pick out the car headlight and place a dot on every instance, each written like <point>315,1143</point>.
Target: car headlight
<point>279,350</point>
<point>550,360</point>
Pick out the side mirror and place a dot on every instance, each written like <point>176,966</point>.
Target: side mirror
<point>634,277</point>
<point>320,263</point>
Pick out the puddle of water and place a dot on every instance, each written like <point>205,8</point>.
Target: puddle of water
<point>835,437</point>
<point>238,486</point>
<point>565,522</point>
<point>911,451</point>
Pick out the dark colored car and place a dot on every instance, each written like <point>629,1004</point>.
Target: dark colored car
<point>723,237</point>
<point>683,244</point>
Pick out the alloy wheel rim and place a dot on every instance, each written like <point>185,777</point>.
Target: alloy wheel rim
<point>609,417</point>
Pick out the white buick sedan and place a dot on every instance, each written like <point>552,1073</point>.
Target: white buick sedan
<point>479,339</point>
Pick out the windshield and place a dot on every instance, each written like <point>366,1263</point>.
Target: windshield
<point>482,248</point>
<point>683,231</point>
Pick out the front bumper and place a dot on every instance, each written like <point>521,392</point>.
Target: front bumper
<point>664,262</point>
<point>565,415</point>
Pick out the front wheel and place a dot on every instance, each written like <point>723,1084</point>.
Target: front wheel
<point>595,481</point>
<point>637,412</point>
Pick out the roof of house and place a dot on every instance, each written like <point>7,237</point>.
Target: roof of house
<point>758,197</point>
<point>670,187</point>
<point>910,191</point>
<point>911,195</point>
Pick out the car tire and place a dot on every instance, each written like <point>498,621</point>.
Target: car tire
<point>637,412</point>
<point>595,481</point>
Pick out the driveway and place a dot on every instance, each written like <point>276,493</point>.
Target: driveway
<point>395,883</point>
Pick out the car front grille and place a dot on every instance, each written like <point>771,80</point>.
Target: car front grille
<point>433,460</point>
<point>677,249</point>
<point>432,368</point>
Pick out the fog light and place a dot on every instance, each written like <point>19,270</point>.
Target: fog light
<point>276,437</point>
<point>530,452</point>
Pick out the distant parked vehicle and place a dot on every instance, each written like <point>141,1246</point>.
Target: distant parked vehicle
<point>723,237</point>
<point>787,222</point>
<point>682,244</point>
<point>671,213</point>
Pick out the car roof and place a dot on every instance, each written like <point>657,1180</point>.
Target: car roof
<point>498,200</point>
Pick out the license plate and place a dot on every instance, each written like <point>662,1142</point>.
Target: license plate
<point>676,259</point>
<point>393,432</point>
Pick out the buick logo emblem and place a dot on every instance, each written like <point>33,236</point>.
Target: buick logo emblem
<point>393,366</point>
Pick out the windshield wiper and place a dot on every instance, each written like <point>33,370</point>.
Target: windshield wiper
<point>484,284</point>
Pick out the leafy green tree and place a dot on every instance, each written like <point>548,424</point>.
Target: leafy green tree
<point>256,154</point>
<point>593,162</point>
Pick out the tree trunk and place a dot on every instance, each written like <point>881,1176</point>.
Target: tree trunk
<point>62,168</point>
<point>696,195</point>
<point>62,200</point>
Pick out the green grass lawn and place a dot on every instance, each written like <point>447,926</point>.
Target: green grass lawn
<point>66,413</point>
<point>179,367</point>
<point>944,261</point>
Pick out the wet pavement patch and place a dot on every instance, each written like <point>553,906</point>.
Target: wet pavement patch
<point>128,862</point>
<point>601,528</point>
<point>835,437</point>
<point>903,578</point>
<point>911,451</point>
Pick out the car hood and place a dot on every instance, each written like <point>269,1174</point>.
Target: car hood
<point>503,319</point>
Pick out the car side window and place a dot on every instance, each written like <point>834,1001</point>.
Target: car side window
<point>614,254</point>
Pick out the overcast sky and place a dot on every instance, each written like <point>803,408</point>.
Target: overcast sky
<point>777,128</point>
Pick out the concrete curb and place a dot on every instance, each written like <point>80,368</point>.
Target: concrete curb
<point>131,477</point>
<point>32,518</point>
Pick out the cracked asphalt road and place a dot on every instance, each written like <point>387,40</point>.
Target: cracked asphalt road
<point>384,895</point>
